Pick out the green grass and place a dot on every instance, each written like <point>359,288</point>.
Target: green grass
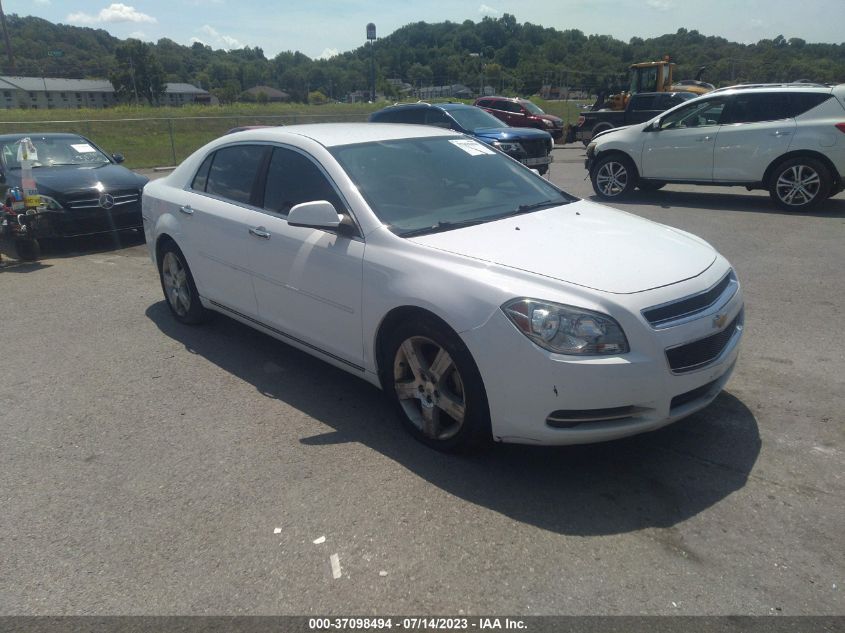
<point>154,137</point>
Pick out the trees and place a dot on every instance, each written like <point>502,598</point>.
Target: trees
<point>138,75</point>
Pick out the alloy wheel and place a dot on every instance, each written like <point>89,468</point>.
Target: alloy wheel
<point>429,388</point>
<point>175,280</point>
<point>798,185</point>
<point>612,178</point>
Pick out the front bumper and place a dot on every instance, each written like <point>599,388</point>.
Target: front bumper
<point>79,222</point>
<point>538,397</point>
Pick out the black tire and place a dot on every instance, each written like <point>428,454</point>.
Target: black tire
<point>613,176</point>
<point>430,398</point>
<point>177,284</point>
<point>799,183</point>
<point>27,249</point>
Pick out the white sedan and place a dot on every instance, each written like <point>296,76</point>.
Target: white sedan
<point>487,303</point>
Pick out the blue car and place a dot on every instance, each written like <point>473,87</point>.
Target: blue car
<point>529,146</point>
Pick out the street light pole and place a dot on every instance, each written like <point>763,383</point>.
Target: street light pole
<point>371,37</point>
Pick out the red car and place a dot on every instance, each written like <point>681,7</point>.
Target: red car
<point>522,113</point>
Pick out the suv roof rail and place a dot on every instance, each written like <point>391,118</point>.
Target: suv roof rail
<point>791,84</point>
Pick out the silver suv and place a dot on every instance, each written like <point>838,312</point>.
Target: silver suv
<point>786,138</point>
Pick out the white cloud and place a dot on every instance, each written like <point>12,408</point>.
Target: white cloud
<point>661,5</point>
<point>43,3</point>
<point>116,12</point>
<point>486,9</point>
<point>328,53</point>
<point>218,39</point>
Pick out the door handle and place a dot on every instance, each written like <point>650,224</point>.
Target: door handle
<point>187,210</point>
<point>703,138</point>
<point>259,231</point>
<point>781,133</point>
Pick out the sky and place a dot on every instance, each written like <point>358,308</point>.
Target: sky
<point>322,28</point>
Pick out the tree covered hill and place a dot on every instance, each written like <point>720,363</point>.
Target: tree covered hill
<point>512,57</point>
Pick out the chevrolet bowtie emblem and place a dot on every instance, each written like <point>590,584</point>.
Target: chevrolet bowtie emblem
<point>719,321</point>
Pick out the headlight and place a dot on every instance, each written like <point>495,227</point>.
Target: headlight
<point>548,123</point>
<point>507,147</point>
<point>565,329</point>
<point>50,204</point>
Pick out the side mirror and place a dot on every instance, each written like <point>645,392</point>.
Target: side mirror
<point>118,158</point>
<point>654,126</point>
<point>321,214</point>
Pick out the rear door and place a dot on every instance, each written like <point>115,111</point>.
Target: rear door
<point>681,145</point>
<point>758,128</point>
<point>217,219</point>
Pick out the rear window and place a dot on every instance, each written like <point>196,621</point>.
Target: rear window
<point>643,102</point>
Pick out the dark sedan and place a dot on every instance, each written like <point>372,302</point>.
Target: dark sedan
<point>83,190</point>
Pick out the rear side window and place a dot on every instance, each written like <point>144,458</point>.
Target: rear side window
<point>750,108</point>
<point>438,118</point>
<point>401,116</point>
<point>201,178</point>
<point>643,102</point>
<point>292,179</point>
<point>233,172</point>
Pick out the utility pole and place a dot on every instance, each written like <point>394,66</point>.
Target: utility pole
<point>371,36</point>
<point>12,70</point>
<point>132,72</point>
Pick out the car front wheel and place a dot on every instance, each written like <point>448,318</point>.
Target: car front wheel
<point>433,381</point>
<point>613,177</point>
<point>178,286</point>
<point>799,184</point>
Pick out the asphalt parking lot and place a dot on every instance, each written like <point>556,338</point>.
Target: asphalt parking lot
<point>154,468</point>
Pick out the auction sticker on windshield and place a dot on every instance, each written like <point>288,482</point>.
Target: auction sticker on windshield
<point>473,148</point>
<point>83,148</point>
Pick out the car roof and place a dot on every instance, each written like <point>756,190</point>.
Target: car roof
<point>336,134</point>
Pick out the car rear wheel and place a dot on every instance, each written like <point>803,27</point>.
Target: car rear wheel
<point>178,286</point>
<point>434,383</point>
<point>613,177</point>
<point>799,183</point>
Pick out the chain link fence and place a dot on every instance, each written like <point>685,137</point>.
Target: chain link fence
<point>159,142</point>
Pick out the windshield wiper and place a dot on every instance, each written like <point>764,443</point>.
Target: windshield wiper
<point>528,208</point>
<point>445,226</point>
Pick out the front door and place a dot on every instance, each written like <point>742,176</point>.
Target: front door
<point>680,147</point>
<point>308,281</point>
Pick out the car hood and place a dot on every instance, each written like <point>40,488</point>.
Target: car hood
<point>510,133</point>
<point>549,117</point>
<point>59,182</point>
<point>586,244</point>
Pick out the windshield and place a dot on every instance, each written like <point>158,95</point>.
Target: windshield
<point>532,108</point>
<point>54,151</point>
<point>474,118</point>
<point>426,185</point>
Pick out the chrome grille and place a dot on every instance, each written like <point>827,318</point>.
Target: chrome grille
<point>120,198</point>
<point>679,310</point>
<point>700,353</point>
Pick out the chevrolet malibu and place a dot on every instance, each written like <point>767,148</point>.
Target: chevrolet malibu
<point>487,303</point>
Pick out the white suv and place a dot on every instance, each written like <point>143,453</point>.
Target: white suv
<point>786,138</point>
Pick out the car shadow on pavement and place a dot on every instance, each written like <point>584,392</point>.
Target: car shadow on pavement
<point>666,198</point>
<point>655,480</point>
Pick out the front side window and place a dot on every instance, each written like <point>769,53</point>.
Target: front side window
<point>293,179</point>
<point>436,117</point>
<point>697,114</point>
<point>233,172</point>
<point>532,108</point>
